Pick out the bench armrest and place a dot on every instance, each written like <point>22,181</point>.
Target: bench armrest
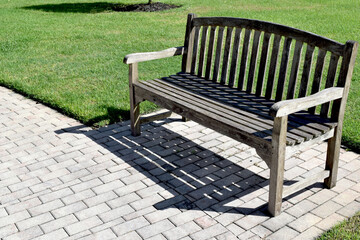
<point>287,107</point>
<point>147,56</point>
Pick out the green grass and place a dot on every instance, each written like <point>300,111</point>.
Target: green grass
<point>68,54</point>
<point>349,230</point>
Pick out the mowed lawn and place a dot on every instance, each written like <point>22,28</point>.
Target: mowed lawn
<point>68,54</point>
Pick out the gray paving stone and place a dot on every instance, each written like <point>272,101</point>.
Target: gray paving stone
<point>209,232</point>
<point>122,188</point>
<point>278,222</point>
<point>284,233</point>
<point>304,222</point>
<point>155,229</point>
<point>58,223</point>
<point>29,233</point>
<point>83,225</point>
<point>130,226</point>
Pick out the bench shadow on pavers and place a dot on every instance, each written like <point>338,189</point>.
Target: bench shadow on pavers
<point>196,177</point>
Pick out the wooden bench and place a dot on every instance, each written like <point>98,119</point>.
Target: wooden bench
<point>275,88</point>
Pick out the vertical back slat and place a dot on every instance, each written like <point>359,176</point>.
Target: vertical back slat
<point>330,82</point>
<point>234,58</point>
<point>318,74</point>
<point>253,61</point>
<point>244,54</point>
<point>272,67</point>
<point>294,70</point>
<point>210,52</point>
<point>219,43</point>
<point>186,60</point>
<point>283,69</point>
<point>195,50</point>
<point>306,71</point>
<point>262,66</point>
<point>202,50</point>
<point>226,55</point>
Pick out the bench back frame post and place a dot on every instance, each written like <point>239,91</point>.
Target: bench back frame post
<point>338,112</point>
<point>188,43</point>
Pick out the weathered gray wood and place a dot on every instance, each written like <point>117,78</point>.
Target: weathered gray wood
<point>272,67</point>
<point>154,117</point>
<point>185,66</point>
<point>253,61</point>
<point>305,183</point>
<point>253,104</point>
<point>210,53</point>
<point>294,70</point>
<point>147,56</point>
<point>244,57</point>
<point>283,69</point>
<point>338,110</point>
<point>242,115</point>
<point>277,29</point>
<point>134,105</point>
<point>318,75</point>
<point>306,71</point>
<point>262,66</point>
<point>195,50</point>
<point>291,150</point>
<point>330,82</point>
<point>201,116</point>
<point>287,107</point>
<point>202,50</point>
<point>235,56</point>
<point>218,52</point>
<point>277,165</point>
<point>225,62</point>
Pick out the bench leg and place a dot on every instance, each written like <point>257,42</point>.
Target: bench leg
<point>332,159</point>
<point>277,165</point>
<point>134,105</point>
<point>184,119</point>
<point>135,118</point>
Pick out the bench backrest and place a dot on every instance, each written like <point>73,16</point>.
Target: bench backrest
<point>267,59</point>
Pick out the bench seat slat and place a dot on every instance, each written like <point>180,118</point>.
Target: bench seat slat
<point>248,112</point>
<point>202,116</point>
<point>261,118</point>
<point>317,123</point>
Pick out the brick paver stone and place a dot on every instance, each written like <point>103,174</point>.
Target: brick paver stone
<point>178,180</point>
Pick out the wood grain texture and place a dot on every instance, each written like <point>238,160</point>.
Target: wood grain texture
<point>277,165</point>
<point>283,69</point>
<point>134,105</point>
<point>253,61</point>
<point>210,53</point>
<point>294,70</point>
<point>330,82</point>
<point>185,65</point>
<point>318,75</point>
<point>287,107</point>
<point>244,58</point>
<point>263,63</point>
<point>195,50</point>
<point>235,57</point>
<point>226,57</point>
<point>147,56</point>
<point>272,67</point>
<point>306,71</point>
<point>273,28</point>
<point>202,51</point>
<point>218,53</point>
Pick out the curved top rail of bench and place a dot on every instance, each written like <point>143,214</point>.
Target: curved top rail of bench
<point>274,28</point>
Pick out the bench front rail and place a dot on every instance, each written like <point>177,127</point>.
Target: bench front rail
<point>258,83</point>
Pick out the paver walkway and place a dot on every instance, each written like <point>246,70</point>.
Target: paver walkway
<point>60,179</point>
